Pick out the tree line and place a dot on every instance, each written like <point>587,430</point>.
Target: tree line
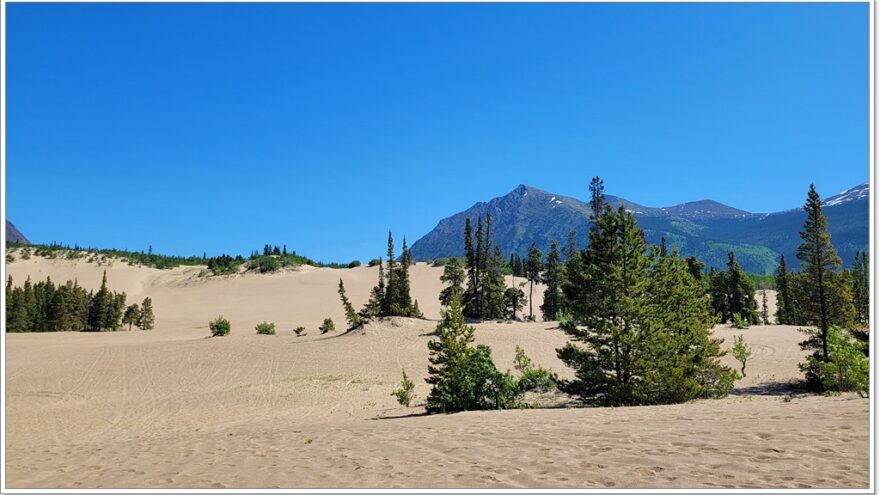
<point>390,296</point>
<point>45,307</point>
<point>640,317</point>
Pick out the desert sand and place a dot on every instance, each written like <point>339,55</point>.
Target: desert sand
<point>172,407</point>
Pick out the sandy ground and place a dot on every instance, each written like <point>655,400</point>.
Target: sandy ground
<point>173,408</point>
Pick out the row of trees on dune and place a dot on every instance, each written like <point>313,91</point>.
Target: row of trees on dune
<point>640,317</point>
<point>45,307</point>
<point>390,296</point>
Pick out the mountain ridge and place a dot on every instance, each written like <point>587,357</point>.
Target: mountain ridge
<point>703,228</point>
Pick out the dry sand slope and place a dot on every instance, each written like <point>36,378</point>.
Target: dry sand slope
<point>172,408</point>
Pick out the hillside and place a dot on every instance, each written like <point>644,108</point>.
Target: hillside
<point>14,235</point>
<point>705,229</point>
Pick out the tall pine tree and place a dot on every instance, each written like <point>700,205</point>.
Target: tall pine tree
<point>553,279</point>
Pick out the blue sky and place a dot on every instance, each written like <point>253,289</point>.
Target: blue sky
<point>223,127</point>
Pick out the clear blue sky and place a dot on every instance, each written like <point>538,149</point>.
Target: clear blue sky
<point>223,127</point>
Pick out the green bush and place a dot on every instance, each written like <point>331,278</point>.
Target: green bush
<point>532,378</point>
<point>739,322</point>
<point>354,264</point>
<point>220,327</point>
<point>374,262</point>
<point>716,381</point>
<point>265,328</point>
<point>299,331</point>
<point>327,326</point>
<point>846,370</point>
<point>406,391</point>
<point>267,264</point>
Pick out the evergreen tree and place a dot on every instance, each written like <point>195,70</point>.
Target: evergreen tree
<point>570,245</point>
<point>373,308</point>
<point>533,274</point>
<point>494,287</point>
<point>732,293</point>
<point>785,310</point>
<point>391,286</point>
<point>695,268</point>
<point>100,308</point>
<point>514,299</point>
<point>553,278</point>
<point>481,268</point>
<point>470,300</point>
<point>403,299</point>
<point>597,199</point>
<point>612,306</point>
<point>682,356</point>
<point>819,260</point>
<point>765,314</point>
<point>147,320</point>
<point>351,316</point>
<point>453,276</point>
<point>131,315</point>
<point>740,294</point>
<point>861,285</point>
<point>464,377</point>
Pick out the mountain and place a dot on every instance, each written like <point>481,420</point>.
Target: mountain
<point>706,229</point>
<point>14,235</point>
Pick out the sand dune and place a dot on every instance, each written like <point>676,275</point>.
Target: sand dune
<point>172,408</point>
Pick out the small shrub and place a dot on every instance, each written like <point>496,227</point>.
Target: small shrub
<point>220,327</point>
<point>566,320</point>
<point>327,326</point>
<point>10,258</point>
<point>299,331</point>
<point>741,352</point>
<point>354,264</point>
<point>847,368</point>
<point>739,322</point>
<point>406,391</point>
<point>374,262</point>
<point>532,379</point>
<point>717,381</point>
<point>267,264</point>
<point>265,328</point>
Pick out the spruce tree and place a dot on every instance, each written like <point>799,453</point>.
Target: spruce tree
<point>785,310</point>
<point>453,276</point>
<point>373,308</point>
<point>819,260</point>
<point>494,286</point>
<point>740,294</point>
<point>597,199</point>
<point>131,315</point>
<point>553,279</point>
<point>470,301</point>
<point>391,286</point>
<point>861,284</point>
<point>514,299</point>
<point>682,356</point>
<point>570,245</point>
<point>612,306</point>
<point>351,316</point>
<point>100,308</point>
<point>695,268</point>
<point>481,268</point>
<point>404,299</point>
<point>765,314</point>
<point>147,320</point>
<point>533,274</point>
<point>449,359</point>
